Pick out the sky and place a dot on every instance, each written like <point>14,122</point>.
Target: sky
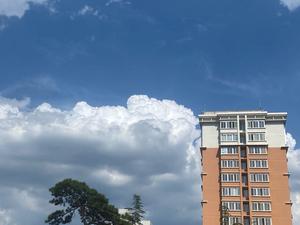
<point>108,92</point>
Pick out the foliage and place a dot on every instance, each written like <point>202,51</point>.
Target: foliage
<point>137,210</point>
<point>128,217</point>
<point>78,198</point>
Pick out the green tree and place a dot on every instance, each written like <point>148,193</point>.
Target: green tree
<point>78,198</point>
<point>137,210</point>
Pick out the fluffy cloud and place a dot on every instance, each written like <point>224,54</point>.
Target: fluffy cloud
<point>147,147</point>
<point>5,217</point>
<point>294,165</point>
<point>17,7</point>
<point>291,4</point>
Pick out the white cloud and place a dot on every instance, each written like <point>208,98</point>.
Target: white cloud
<point>88,10</point>
<point>290,141</point>
<point>146,147</point>
<point>294,165</point>
<point>113,177</point>
<point>15,102</point>
<point>5,217</point>
<point>85,10</point>
<point>291,4</point>
<point>109,2</point>
<point>26,200</point>
<point>17,7</point>
<point>166,177</point>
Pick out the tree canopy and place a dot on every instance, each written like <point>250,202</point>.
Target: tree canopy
<point>137,210</point>
<point>78,198</point>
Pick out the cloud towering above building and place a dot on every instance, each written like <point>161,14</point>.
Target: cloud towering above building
<point>245,174</point>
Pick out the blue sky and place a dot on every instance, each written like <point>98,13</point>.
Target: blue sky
<point>203,54</point>
<point>206,55</point>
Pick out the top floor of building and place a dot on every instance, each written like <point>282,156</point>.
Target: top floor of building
<point>255,127</point>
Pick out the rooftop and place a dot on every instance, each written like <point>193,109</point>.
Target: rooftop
<point>242,112</point>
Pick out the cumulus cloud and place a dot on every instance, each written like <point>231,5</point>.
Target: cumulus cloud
<point>291,4</point>
<point>17,7</point>
<point>147,147</point>
<point>294,165</point>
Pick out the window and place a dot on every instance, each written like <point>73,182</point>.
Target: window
<point>243,152</point>
<point>257,150</point>
<point>244,164</point>
<point>234,220</point>
<point>229,163</point>
<point>245,192</point>
<point>246,221</point>
<point>259,177</point>
<point>260,191</point>
<point>246,207</point>
<point>259,163</point>
<point>228,124</point>
<point>243,138</point>
<point>231,220</point>
<point>229,150</point>
<point>230,191</point>
<point>261,206</point>
<point>230,177</point>
<point>261,221</point>
<point>256,124</point>
<point>242,124</point>
<point>256,136</point>
<point>244,179</point>
<point>229,137</point>
<point>232,206</point>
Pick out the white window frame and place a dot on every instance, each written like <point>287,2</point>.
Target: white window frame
<point>256,137</point>
<point>230,177</point>
<point>229,137</point>
<point>261,206</point>
<point>232,206</point>
<point>260,191</point>
<point>234,219</point>
<point>260,150</point>
<point>229,150</point>
<point>256,124</point>
<point>230,163</point>
<point>259,163</point>
<point>259,177</point>
<point>231,191</point>
<point>228,125</point>
<point>262,220</point>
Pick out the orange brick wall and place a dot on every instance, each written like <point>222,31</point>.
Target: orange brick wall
<point>279,184</point>
<point>211,187</point>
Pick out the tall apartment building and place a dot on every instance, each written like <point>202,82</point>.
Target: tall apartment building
<point>244,168</point>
